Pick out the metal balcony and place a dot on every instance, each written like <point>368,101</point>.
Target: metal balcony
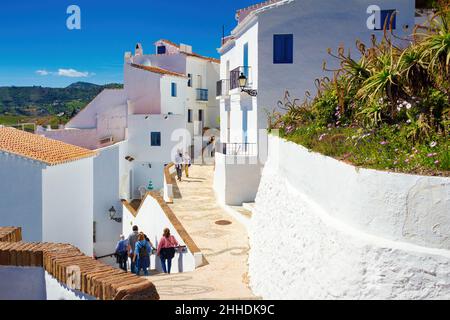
<point>235,73</point>
<point>238,149</point>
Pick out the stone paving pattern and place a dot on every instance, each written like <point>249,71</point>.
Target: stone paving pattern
<point>225,247</point>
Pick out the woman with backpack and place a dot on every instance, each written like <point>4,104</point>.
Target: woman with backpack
<point>166,250</point>
<point>142,253</point>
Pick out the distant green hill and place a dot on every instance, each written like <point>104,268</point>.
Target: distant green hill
<point>41,102</point>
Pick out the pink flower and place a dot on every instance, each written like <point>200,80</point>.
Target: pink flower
<point>433,144</point>
<point>437,162</point>
<point>407,161</point>
<point>383,143</point>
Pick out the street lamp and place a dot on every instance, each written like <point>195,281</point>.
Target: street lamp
<point>243,85</point>
<point>112,215</point>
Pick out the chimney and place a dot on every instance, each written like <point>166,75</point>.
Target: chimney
<point>139,50</point>
<point>185,48</point>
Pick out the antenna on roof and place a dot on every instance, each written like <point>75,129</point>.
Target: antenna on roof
<point>223,34</point>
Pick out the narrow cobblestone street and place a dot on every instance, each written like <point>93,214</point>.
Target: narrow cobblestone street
<point>225,246</point>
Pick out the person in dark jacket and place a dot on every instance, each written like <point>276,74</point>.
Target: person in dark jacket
<point>122,252</point>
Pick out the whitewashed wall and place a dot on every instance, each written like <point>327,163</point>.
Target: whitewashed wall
<point>107,113</point>
<point>107,194</point>
<point>236,179</point>
<point>57,291</point>
<point>150,160</point>
<point>143,91</point>
<point>234,56</point>
<point>21,195</point>
<point>85,138</point>
<point>345,233</point>
<point>68,203</point>
<point>316,27</point>
<point>34,283</point>
<point>20,283</point>
<point>175,105</point>
<point>152,220</point>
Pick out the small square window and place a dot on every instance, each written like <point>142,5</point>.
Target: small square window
<point>161,49</point>
<point>155,138</point>
<point>174,89</point>
<point>283,48</point>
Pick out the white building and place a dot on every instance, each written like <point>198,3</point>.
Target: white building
<point>280,45</point>
<point>46,187</point>
<point>168,99</point>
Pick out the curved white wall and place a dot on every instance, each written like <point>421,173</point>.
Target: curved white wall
<point>340,232</point>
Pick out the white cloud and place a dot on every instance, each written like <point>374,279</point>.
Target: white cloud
<point>42,72</point>
<point>72,73</point>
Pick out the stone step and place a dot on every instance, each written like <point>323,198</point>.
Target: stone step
<point>249,206</point>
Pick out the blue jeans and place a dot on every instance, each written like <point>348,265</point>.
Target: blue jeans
<point>163,264</point>
<point>132,266</point>
<point>141,265</point>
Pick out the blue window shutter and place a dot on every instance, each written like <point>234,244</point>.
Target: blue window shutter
<point>155,139</point>
<point>161,49</point>
<point>174,89</point>
<point>283,48</point>
<point>277,49</point>
<point>386,16</point>
<point>289,48</point>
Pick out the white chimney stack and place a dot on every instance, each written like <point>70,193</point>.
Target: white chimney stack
<point>139,50</point>
<point>185,48</point>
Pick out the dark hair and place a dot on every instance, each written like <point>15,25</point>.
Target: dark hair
<point>135,228</point>
<point>166,233</point>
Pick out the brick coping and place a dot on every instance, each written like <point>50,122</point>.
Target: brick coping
<point>192,246</point>
<point>67,263</point>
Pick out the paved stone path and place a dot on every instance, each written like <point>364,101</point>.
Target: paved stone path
<point>224,246</point>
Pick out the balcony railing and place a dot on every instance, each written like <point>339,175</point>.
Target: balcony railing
<point>222,88</point>
<point>202,94</point>
<point>238,149</point>
<point>234,76</point>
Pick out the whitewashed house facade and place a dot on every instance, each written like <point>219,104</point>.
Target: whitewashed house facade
<point>168,99</point>
<point>46,188</point>
<point>280,45</point>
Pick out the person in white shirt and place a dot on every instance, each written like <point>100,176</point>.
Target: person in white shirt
<point>187,164</point>
<point>179,165</point>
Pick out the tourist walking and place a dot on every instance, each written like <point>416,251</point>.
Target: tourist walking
<point>142,253</point>
<point>122,252</point>
<point>187,164</point>
<point>179,165</point>
<point>132,239</point>
<point>166,250</point>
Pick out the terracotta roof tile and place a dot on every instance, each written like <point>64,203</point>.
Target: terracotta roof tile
<point>59,260</point>
<point>170,42</point>
<point>39,148</point>
<point>190,54</point>
<point>241,14</point>
<point>157,70</point>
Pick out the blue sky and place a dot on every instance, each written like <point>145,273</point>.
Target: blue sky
<point>34,36</point>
